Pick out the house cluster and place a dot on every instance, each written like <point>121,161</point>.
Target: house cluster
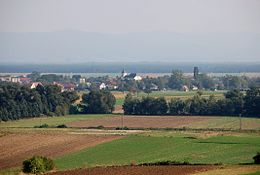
<point>76,81</point>
<point>15,79</point>
<point>130,76</point>
<point>24,80</point>
<point>112,83</point>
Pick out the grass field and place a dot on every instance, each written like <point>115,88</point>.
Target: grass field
<point>181,147</point>
<point>114,120</point>
<point>51,121</point>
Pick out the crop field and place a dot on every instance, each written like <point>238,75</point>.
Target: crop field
<point>138,170</point>
<point>147,122</point>
<point>76,147</point>
<point>138,122</point>
<point>154,148</point>
<point>18,146</point>
<point>166,170</point>
<point>51,121</point>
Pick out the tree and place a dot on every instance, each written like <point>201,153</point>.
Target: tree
<point>99,102</point>
<point>257,158</point>
<point>252,102</point>
<point>204,81</point>
<point>18,101</point>
<point>178,107</point>
<point>128,104</point>
<point>177,80</point>
<point>34,75</point>
<point>235,102</point>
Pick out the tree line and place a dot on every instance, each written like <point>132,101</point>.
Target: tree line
<point>234,103</point>
<point>18,101</point>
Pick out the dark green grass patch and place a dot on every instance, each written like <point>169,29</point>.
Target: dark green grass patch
<point>144,149</point>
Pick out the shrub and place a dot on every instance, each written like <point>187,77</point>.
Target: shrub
<point>257,158</point>
<point>62,126</point>
<point>42,126</point>
<point>124,128</point>
<point>38,164</point>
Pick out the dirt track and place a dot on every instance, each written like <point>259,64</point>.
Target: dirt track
<point>138,170</point>
<point>16,147</point>
<point>140,122</point>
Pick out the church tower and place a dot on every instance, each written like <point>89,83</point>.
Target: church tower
<point>123,73</point>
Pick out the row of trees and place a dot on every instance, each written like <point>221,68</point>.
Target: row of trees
<point>235,103</point>
<point>18,101</point>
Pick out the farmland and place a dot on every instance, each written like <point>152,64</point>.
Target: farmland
<point>24,144</point>
<point>181,147</point>
<point>78,147</point>
<point>138,170</point>
<point>52,121</point>
<point>167,122</point>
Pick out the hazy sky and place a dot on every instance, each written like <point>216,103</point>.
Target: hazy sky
<point>115,16</point>
<point>190,17</point>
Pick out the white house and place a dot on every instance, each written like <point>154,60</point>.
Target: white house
<point>138,78</point>
<point>102,86</point>
<point>194,88</point>
<point>15,80</point>
<point>82,80</point>
<point>35,84</point>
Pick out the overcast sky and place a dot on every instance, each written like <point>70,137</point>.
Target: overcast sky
<point>190,17</point>
<point>114,16</point>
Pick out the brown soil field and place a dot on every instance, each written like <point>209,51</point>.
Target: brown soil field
<point>16,147</point>
<point>118,109</point>
<point>119,94</point>
<point>232,170</point>
<point>139,170</point>
<point>140,122</point>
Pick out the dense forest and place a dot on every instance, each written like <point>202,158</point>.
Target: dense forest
<point>234,103</point>
<point>18,101</point>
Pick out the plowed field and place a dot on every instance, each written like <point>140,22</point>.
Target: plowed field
<point>140,122</point>
<point>138,170</point>
<point>16,147</point>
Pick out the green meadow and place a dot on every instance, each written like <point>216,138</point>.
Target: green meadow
<point>153,148</point>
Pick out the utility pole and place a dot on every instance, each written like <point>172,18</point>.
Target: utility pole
<point>122,121</point>
<point>240,122</point>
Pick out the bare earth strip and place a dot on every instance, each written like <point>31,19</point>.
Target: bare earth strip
<point>232,170</point>
<point>141,122</point>
<point>139,170</point>
<point>16,147</point>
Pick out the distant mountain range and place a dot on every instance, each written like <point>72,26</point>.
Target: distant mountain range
<point>141,67</point>
<point>66,47</point>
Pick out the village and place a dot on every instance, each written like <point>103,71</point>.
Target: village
<point>133,82</point>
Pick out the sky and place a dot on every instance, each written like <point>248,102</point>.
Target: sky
<point>209,20</point>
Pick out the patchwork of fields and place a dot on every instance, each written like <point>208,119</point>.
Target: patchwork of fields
<point>18,146</point>
<point>193,139</point>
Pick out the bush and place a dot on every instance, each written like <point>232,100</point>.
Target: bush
<point>62,126</point>
<point>42,126</point>
<point>38,164</point>
<point>124,128</point>
<point>257,158</point>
